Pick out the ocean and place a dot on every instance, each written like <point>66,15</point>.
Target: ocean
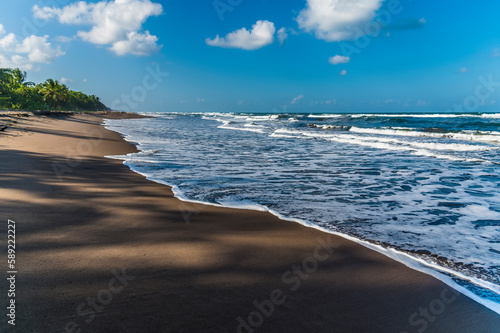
<point>422,188</point>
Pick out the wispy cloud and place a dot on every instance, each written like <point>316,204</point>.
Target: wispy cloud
<point>64,39</point>
<point>297,99</point>
<point>343,72</point>
<point>282,35</point>
<point>422,102</point>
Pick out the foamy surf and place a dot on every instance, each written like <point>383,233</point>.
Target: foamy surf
<point>377,187</point>
<point>483,136</point>
<point>408,260</point>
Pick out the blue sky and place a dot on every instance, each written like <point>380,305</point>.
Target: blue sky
<point>294,56</point>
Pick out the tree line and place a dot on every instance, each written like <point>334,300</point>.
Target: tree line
<point>16,93</point>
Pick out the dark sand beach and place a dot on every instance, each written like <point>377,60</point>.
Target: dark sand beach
<point>101,249</point>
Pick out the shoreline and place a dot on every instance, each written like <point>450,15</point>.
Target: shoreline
<point>406,258</point>
<point>414,263</point>
<point>200,270</point>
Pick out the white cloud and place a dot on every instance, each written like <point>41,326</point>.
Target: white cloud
<point>496,52</point>
<point>2,30</point>
<point>117,23</point>
<point>463,70</point>
<point>63,39</point>
<point>66,80</point>
<point>337,20</point>
<point>282,35</point>
<point>14,61</point>
<point>39,50</point>
<point>297,99</point>
<point>84,80</point>
<point>137,44</point>
<point>338,59</point>
<point>8,42</point>
<point>262,34</point>
<point>25,54</point>
<point>114,21</point>
<point>343,72</point>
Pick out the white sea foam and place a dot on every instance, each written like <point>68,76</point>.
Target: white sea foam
<point>226,125</point>
<point>422,149</point>
<point>326,115</point>
<point>437,115</point>
<point>491,115</point>
<point>469,136</point>
<point>402,130</point>
<point>263,118</point>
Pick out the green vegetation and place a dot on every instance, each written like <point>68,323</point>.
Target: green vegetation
<point>18,94</point>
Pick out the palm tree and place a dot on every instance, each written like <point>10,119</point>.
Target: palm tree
<point>5,73</point>
<point>19,78</point>
<point>5,79</point>
<point>54,93</point>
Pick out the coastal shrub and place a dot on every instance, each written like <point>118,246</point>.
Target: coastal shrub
<point>27,98</point>
<point>18,94</point>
